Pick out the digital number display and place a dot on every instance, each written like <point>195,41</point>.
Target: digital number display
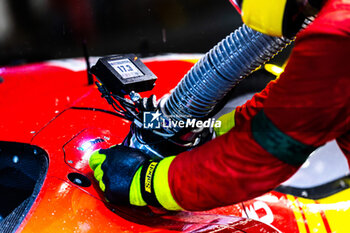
<point>125,68</point>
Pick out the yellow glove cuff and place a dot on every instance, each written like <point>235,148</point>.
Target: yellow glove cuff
<point>161,185</point>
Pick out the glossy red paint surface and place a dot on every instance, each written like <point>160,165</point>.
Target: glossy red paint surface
<point>54,108</point>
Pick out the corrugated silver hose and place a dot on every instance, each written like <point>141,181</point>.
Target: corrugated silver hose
<point>213,76</point>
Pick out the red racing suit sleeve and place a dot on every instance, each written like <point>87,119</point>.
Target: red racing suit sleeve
<point>306,107</point>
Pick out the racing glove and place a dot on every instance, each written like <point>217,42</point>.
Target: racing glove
<point>227,123</point>
<point>128,176</point>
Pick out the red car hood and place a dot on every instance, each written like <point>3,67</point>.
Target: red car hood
<point>51,105</point>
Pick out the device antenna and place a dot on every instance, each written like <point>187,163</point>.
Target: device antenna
<point>88,68</point>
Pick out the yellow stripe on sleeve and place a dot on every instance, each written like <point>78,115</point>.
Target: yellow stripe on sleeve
<point>227,123</point>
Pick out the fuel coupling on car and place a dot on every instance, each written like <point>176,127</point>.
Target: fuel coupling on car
<point>121,78</point>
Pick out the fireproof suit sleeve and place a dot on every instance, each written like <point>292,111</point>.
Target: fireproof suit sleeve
<point>309,103</point>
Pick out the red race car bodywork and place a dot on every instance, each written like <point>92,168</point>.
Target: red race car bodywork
<point>50,105</point>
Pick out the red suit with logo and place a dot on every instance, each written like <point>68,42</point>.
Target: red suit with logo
<point>306,107</point>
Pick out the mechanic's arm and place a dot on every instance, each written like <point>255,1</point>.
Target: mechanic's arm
<point>305,108</point>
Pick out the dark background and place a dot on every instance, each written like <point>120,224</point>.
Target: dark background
<point>35,30</point>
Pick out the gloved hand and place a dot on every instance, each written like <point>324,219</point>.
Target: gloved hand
<point>227,123</point>
<point>128,176</point>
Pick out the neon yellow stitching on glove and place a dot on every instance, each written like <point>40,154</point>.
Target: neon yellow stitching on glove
<point>96,159</point>
<point>95,162</point>
<point>161,185</point>
<point>135,196</point>
<point>98,176</point>
<point>227,123</point>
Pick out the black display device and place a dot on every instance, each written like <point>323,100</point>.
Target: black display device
<point>121,74</point>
